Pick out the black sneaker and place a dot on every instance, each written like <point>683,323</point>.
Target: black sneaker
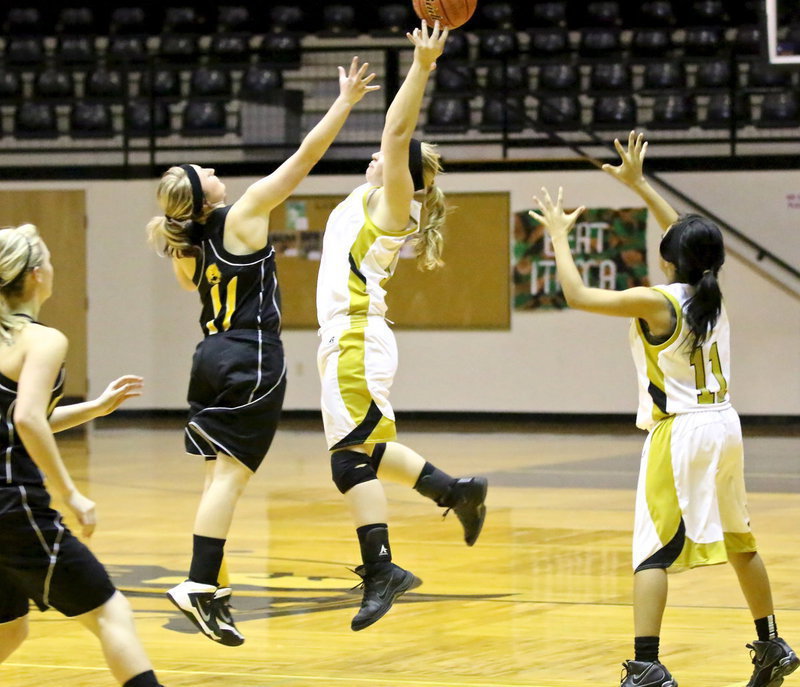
<point>196,601</point>
<point>773,659</point>
<point>221,605</point>
<point>380,591</point>
<point>466,498</point>
<point>646,674</point>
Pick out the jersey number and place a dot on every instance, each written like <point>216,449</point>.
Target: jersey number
<point>699,365</point>
<point>230,306</point>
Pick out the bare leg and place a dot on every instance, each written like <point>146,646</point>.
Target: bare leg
<point>112,623</point>
<point>215,512</point>
<point>754,582</point>
<point>367,503</point>
<point>400,464</point>
<point>649,600</point>
<point>12,634</point>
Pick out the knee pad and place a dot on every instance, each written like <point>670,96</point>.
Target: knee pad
<point>349,468</point>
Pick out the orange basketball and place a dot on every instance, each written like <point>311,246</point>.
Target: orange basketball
<point>449,13</point>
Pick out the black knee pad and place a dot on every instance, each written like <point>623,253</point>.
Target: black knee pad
<point>349,468</point>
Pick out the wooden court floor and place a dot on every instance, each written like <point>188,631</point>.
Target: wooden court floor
<point>542,600</point>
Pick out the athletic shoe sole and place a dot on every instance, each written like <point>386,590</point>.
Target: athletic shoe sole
<point>193,619</point>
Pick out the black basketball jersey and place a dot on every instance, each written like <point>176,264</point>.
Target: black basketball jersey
<point>16,466</point>
<point>236,291</point>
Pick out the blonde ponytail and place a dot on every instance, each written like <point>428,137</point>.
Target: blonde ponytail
<point>171,233</point>
<point>20,252</point>
<point>429,242</point>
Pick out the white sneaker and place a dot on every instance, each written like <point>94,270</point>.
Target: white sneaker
<point>196,601</point>
<point>221,606</point>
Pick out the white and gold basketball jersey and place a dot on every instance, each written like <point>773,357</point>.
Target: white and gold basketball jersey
<point>357,260</point>
<point>673,379</point>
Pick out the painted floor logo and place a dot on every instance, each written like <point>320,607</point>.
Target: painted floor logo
<point>271,595</point>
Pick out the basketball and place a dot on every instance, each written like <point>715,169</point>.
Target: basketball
<point>449,13</point>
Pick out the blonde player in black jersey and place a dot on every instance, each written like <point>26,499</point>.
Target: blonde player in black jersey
<point>40,559</point>
<point>238,373</point>
<point>357,357</point>
<point>691,506</point>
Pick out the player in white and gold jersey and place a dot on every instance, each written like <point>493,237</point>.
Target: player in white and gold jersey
<point>691,507</point>
<point>357,356</point>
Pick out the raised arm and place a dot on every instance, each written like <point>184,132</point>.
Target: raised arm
<point>43,360</point>
<point>630,172</point>
<point>639,301</point>
<point>248,218</point>
<point>391,212</point>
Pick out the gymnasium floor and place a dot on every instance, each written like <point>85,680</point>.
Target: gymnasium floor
<point>542,600</point>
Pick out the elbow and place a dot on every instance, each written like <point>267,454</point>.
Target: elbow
<point>27,422</point>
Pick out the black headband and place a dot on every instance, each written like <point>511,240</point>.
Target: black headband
<point>415,164</point>
<point>198,197</point>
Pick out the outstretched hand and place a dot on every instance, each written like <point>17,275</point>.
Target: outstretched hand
<point>629,171</point>
<point>428,48</point>
<point>353,85</point>
<point>555,221</point>
<point>117,392</point>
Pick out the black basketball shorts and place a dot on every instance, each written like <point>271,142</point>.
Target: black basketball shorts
<point>41,560</point>
<point>236,392</point>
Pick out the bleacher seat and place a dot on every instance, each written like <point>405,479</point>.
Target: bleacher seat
<point>664,75</point>
<point>603,13</point>
<point>24,50</point>
<point>230,47</point>
<point>656,13</point>
<point>24,21</point>
<point>182,20</point>
<point>127,49</point>
<point>549,13</point>
<point>103,83</point>
<point>161,83</point>
<point>610,77</point>
<point>779,109</point>
<point>506,114</point>
<point>548,42</point>
<point>204,118</point>
<point>703,40</point>
<point>707,13</point>
<point>456,47</point>
<point>651,42</point>
<point>90,120</point>
<point>35,120</point>
<point>282,48</point>
<point>761,74</point>
<point>128,21</point>
<point>499,15</point>
<point>286,18</point>
<point>559,77</point>
<point>614,112</point>
<point>509,78</point>
<point>179,48</point>
<point>259,81</point>
<point>146,118</point>
<point>54,83</point>
<point>210,81</point>
<point>560,112</point>
<point>455,77</point>
<point>673,111</point>
<point>747,40</point>
<point>500,44</point>
<point>10,84</point>
<point>600,41</point>
<point>718,112</point>
<point>76,21</point>
<point>713,74</point>
<point>448,114</point>
<point>339,21</point>
<point>233,19</point>
<point>394,19</point>
<point>76,50</point>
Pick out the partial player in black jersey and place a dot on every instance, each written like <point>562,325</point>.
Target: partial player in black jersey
<point>238,375</point>
<point>40,559</point>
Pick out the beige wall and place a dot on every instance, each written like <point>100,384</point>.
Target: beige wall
<point>565,362</point>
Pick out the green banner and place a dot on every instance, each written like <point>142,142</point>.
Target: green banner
<point>609,247</point>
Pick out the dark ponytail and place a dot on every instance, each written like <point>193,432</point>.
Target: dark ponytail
<point>694,245</point>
